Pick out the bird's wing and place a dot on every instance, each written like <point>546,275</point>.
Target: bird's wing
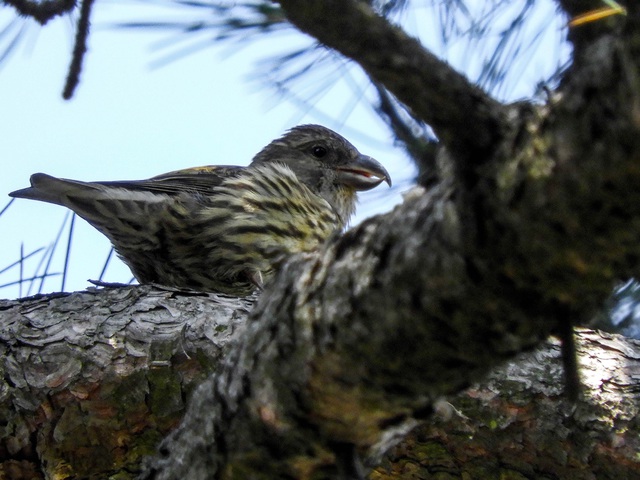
<point>189,180</point>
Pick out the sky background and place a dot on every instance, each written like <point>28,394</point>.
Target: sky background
<point>134,117</point>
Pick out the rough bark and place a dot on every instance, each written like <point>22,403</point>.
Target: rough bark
<point>533,431</point>
<point>94,380</point>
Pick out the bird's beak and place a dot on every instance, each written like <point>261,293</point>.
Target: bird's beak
<point>363,173</point>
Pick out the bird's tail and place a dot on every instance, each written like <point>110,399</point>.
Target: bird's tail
<point>46,188</point>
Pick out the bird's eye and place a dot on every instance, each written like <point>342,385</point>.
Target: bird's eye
<point>318,151</point>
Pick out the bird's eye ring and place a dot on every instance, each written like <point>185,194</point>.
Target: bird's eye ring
<point>318,151</point>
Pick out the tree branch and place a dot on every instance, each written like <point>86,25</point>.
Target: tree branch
<point>44,11</point>
<point>79,49</point>
<point>419,147</point>
<point>533,431</point>
<point>92,381</point>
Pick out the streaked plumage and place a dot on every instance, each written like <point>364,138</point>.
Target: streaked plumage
<point>224,228</point>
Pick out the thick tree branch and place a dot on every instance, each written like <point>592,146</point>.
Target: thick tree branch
<point>92,380</point>
<point>533,432</point>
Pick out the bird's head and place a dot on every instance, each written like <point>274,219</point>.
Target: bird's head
<point>326,163</point>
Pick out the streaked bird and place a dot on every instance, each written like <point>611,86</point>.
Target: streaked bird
<point>224,228</point>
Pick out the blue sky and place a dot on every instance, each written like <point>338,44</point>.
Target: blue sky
<point>128,120</point>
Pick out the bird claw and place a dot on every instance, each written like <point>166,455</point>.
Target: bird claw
<point>100,283</point>
<point>255,278</point>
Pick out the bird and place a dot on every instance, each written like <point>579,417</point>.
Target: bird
<point>224,228</point>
